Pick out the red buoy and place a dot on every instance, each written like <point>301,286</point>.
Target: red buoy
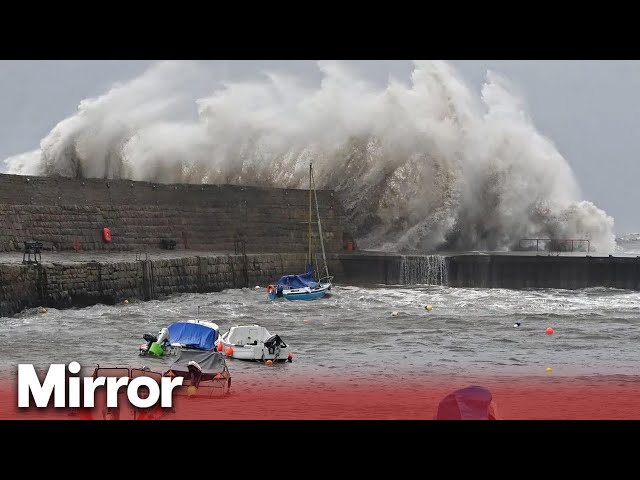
<point>549,331</point>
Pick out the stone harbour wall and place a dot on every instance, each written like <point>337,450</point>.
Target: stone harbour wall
<point>65,285</point>
<point>63,213</point>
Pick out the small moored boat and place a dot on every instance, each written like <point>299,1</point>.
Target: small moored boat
<point>253,342</point>
<point>305,286</point>
<point>299,287</point>
<point>189,335</point>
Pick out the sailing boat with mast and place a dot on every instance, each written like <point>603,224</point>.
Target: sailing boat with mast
<point>305,286</point>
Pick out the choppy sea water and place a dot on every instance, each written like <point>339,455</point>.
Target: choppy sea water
<point>361,332</point>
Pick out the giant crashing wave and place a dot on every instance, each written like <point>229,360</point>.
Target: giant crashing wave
<point>418,167</point>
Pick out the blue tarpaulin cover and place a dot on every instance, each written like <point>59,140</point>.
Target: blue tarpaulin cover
<point>298,281</point>
<point>192,335</point>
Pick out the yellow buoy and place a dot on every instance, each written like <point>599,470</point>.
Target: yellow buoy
<point>191,391</point>
<point>428,308</point>
<point>549,369</point>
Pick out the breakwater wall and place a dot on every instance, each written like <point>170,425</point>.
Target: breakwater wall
<point>65,213</point>
<point>80,284</point>
<point>493,271</point>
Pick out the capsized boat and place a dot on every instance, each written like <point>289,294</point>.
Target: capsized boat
<point>190,334</point>
<point>205,374</point>
<point>124,410</point>
<point>253,342</point>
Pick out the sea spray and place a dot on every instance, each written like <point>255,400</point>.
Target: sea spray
<point>419,166</point>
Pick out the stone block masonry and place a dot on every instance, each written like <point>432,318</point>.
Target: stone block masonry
<point>81,284</point>
<point>64,213</point>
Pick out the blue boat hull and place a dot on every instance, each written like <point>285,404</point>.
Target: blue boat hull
<point>313,295</point>
<point>300,287</point>
<point>305,296</point>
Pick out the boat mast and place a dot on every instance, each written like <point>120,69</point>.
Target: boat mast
<point>309,260</point>
<point>324,258</point>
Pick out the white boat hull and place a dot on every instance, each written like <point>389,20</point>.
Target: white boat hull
<point>252,342</point>
<point>254,352</point>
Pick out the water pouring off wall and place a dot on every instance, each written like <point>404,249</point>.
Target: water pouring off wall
<point>423,269</point>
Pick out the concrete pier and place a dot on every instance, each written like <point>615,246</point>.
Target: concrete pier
<point>493,270</point>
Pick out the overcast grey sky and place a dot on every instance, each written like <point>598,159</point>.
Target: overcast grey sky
<point>589,109</point>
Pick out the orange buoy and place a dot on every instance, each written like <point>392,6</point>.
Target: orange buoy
<point>269,363</point>
<point>229,351</point>
<point>220,347</point>
<point>549,331</point>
